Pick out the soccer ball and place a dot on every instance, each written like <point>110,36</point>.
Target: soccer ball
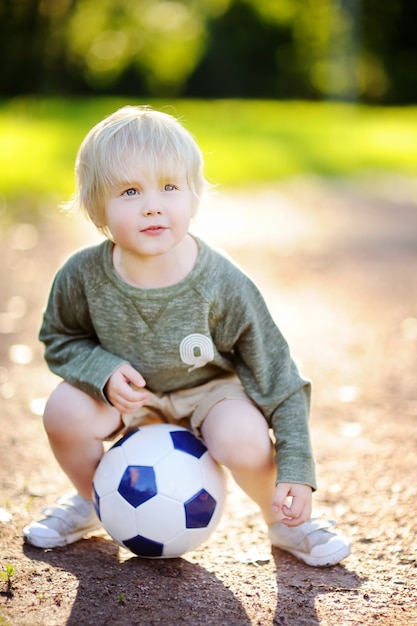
<point>158,492</point>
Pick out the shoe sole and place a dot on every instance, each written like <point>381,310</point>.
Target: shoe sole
<point>328,561</point>
<point>57,542</point>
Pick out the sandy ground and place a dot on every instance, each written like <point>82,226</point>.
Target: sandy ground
<point>337,263</point>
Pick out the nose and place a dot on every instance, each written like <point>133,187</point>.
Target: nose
<point>149,212</point>
<point>152,205</point>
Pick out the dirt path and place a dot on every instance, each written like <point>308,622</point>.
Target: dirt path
<point>338,264</point>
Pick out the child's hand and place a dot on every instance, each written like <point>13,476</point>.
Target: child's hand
<point>124,389</point>
<point>297,510</point>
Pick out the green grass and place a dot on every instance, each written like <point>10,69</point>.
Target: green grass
<point>243,141</point>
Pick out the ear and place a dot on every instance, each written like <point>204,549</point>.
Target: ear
<point>194,209</point>
<point>98,217</point>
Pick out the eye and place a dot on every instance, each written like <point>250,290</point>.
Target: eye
<point>170,187</point>
<point>130,192</point>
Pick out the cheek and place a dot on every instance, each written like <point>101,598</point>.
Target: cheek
<point>191,209</point>
<point>183,222</point>
<point>117,217</point>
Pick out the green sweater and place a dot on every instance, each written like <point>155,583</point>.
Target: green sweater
<point>213,322</point>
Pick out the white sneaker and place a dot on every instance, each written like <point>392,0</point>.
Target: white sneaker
<point>67,522</point>
<point>312,542</point>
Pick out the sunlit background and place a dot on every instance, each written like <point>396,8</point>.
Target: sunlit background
<point>285,97</point>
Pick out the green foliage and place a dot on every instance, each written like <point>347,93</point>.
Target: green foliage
<point>163,39</point>
<point>243,142</point>
<point>341,49</point>
<point>90,44</point>
<point>6,576</point>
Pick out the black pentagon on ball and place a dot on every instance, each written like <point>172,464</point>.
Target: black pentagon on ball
<point>138,484</point>
<point>186,441</point>
<point>199,509</point>
<point>144,547</point>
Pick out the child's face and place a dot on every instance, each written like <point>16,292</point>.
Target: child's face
<point>149,217</point>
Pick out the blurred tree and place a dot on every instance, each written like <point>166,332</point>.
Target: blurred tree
<point>390,50</point>
<point>161,40</point>
<point>297,48</point>
<point>97,45</point>
<point>241,57</point>
<point>21,30</point>
<point>345,49</point>
<point>33,49</point>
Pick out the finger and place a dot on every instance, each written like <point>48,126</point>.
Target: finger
<point>135,379</point>
<point>142,398</point>
<point>287,511</point>
<point>137,387</point>
<point>280,496</point>
<point>133,394</point>
<point>291,522</point>
<point>129,402</point>
<point>294,518</point>
<point>295,509</point>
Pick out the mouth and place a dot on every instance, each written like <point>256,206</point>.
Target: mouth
<point>153,230</point>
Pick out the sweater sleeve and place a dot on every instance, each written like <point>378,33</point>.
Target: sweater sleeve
<point>270,377</point>
<point>72,349</point>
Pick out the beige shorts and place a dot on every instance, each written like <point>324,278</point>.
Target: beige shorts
<point>187,407</point>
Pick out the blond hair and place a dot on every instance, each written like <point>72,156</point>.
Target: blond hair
<point>133,137</point>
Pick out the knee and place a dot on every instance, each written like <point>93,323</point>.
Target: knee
<point>239,443</point>
<point>64,410</point>
<point>246,451</point>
